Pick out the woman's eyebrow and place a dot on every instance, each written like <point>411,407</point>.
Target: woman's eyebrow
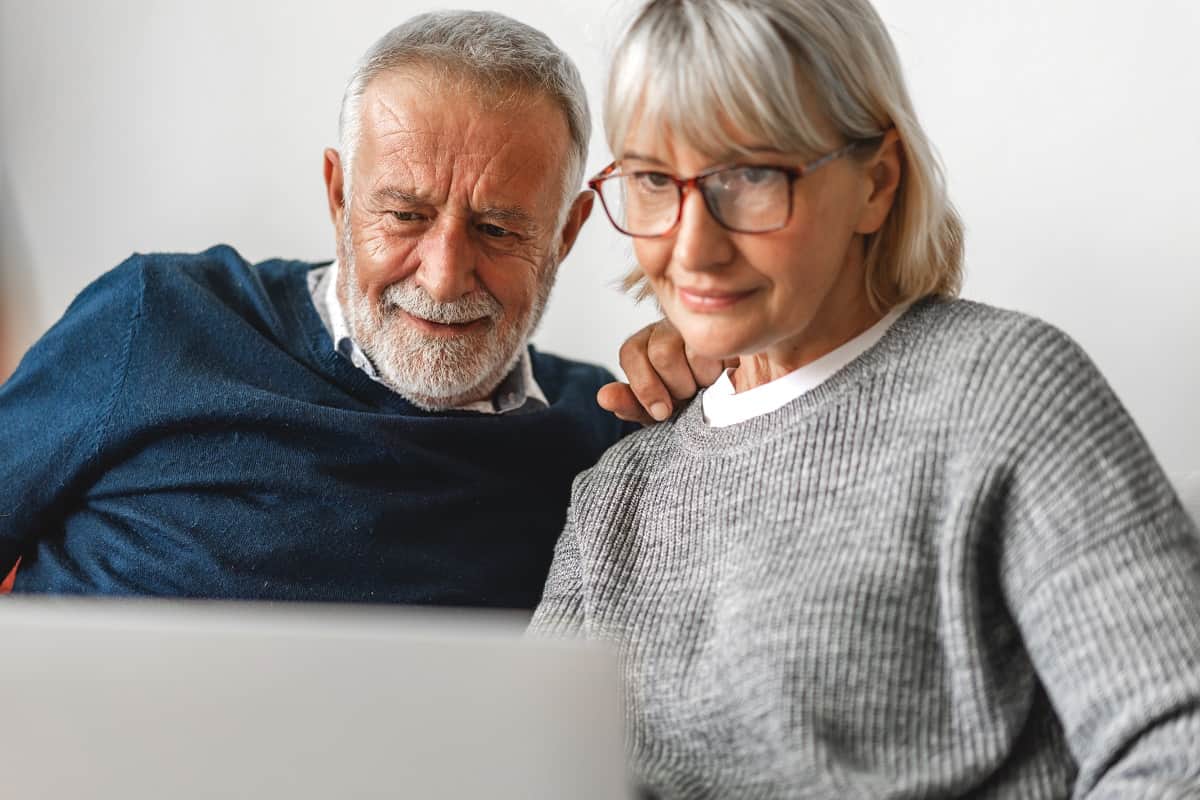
<point>730,156</point>
<point>639,157</point>
<point>734,155</point>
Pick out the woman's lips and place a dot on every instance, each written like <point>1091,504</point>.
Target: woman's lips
<point>709,300</point>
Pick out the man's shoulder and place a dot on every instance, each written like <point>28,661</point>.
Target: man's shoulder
<point>170,287</point>
<point>557,375</point>
<point>570,386</point>
<point>220,269</point>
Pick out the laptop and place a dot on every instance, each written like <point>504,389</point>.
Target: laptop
<point>193,699</point>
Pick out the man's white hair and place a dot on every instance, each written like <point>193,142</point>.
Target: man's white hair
<point>494,54</point>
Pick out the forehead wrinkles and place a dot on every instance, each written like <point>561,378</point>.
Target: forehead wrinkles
<point>472,156</point>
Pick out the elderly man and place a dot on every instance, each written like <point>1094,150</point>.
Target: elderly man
<point>376,429</point>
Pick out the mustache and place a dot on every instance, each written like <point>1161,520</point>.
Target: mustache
<point>414,300</point>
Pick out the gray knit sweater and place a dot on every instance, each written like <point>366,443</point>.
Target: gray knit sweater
<point>953,570</point>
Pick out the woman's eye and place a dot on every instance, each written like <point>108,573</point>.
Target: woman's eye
<point>752,176</point>
<point>652,181</point>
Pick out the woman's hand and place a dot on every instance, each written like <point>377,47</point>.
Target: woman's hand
<point>661,373</point>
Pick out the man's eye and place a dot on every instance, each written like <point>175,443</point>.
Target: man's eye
<point>494,231</point>
<point>407,216</point>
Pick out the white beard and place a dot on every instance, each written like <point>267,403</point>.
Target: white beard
<point>438,372</point>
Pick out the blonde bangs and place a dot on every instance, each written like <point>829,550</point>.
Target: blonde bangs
<point>752,95</point>
<point>801,76</point>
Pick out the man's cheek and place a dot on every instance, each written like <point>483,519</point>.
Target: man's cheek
<point>383,256</point>
<point>375,243</point>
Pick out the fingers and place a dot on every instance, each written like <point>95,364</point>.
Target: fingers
<point>706,370</point>
<point>654,363</point>
<point>621,401</point>
<point>661,374</point>
<point>668,357</point>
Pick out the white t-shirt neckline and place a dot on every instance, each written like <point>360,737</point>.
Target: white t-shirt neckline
<point>723,407</point>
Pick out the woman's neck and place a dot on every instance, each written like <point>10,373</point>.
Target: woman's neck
<point>817,340</point>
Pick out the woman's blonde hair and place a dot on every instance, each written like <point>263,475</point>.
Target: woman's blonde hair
<point>781,72</point>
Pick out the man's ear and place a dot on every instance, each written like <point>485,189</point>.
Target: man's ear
<point>333,185</point>
<point>883,175</point>
<point>581,209</point>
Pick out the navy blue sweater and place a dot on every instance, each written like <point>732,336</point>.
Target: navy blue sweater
<point>186,429</point>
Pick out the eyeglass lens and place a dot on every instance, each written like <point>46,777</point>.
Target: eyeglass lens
<point>747,198</point>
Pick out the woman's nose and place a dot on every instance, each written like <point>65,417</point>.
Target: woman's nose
<point>701,243</point>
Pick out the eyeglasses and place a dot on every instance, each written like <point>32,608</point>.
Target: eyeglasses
<point>743,198</point>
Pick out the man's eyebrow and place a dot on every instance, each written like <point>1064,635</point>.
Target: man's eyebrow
<point>398,195</point>
<point>502,213</point>
<point>508,214</point>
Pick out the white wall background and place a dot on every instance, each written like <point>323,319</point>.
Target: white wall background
<point>1069,129</point>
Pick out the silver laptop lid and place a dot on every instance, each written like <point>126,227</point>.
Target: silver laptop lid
<point>154,699</point>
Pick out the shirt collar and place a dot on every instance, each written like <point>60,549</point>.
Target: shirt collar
<point>723,405</point>
<point>519,391</point>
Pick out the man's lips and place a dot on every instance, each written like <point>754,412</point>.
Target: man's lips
<point>709,300</point>
<point>442,328</point>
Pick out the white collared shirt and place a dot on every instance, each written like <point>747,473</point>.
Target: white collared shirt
<point>724,406</point>
<point>519,389</point>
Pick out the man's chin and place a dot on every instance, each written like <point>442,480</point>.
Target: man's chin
<point>437,404</point>
<point>429,397</point>
<point>444,373</point>
<point>438,367</point>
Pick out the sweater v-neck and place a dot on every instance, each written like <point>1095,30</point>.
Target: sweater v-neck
<point>322,354</point>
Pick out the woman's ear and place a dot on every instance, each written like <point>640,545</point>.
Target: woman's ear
<point>883,172</point>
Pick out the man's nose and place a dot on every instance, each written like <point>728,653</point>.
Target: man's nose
<point>701,243</point>
<point>447,270</point>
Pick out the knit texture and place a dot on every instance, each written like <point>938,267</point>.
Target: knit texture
<point>188,430</point>
<point>953,570</point>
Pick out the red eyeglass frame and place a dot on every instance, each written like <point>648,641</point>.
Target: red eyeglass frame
<point>683,185</point>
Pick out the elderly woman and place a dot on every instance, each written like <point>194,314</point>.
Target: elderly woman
<point>911,546</point>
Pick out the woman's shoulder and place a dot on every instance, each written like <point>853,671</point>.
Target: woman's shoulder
<point>633,460</point>
<point>976,322</point>
<point>643,448</point>
<point>1004,344</point>
<point>1006,378</point>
